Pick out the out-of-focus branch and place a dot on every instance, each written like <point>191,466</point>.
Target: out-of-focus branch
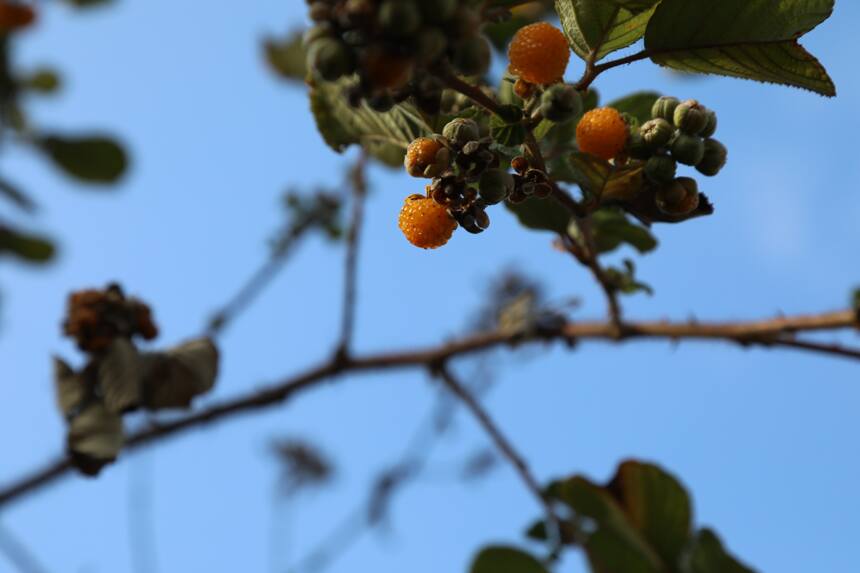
<point>777,332</point>
<point>17,553</point>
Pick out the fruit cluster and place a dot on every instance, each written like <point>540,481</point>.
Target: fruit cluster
<point>388,43</point>
<point>679,132</point>
<point>96,317</point>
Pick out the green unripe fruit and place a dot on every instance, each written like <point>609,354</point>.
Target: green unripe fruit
<point>678,198</point>
<point>710,127</point>
<point>661,169</point>
<point>437,11</point>
<point>495,185</point>
<point>399,18</point>
<point>691,117</point>
<point>319,11</point>
<point>636,146</point>
<point>330,58</point>
<point>472,56</point>
<point>664,108</point>
<point>657,133</point>
<point>465,22</point>
<point>714,159</point>
<point>461,131</point>
<point>688,149</point>
<point>561,103</point>
<point>432,44</point>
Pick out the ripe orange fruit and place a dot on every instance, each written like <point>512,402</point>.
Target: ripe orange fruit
<point>425,223</point>
<point>539,53</point>
<point>15,16</point>
<point>602,132</point>
<point>420,155</point>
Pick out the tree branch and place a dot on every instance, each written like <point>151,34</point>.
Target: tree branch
<point>358,182</point>
<point>775,332</point>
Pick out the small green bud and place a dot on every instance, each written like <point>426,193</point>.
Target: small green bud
<point>330,58</point>
<point>399,18</point>
<point>472,55</point>
<point>664,108</point>
<point>688,149</point>
<point>438,11</point>
<point>561,103</point>
<point>460,131</point>
<point>657,133</point>
<point>711,126</point>
<point>680,197</point>
<point>691,117</point>
<point>661,169</point>
<point>495,186</point>
<point>636,146</point>
<point>714,159</point>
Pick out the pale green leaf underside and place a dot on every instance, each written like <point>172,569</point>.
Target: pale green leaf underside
<point>385,136</point>
<point>595,28</point>
<point>751,39</point>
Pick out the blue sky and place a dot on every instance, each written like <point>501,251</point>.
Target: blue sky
<point>766,440</point>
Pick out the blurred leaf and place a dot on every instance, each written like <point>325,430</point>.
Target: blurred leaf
<point>18,197</point>
<point>44,81</point>
<point>600,27</point>
<point>502,559</point>
<point>507,134</point>
<point>624,279</point>
<point>174,378</point>
<point>287,56</point>
<point>751,39</point>
<point>70,389</point>
<point>31,248</point>
<point>383,135</point>
<point>302,465</point>
<point>637,105</point>
<point>612,229</point>
<point>541,214</point>
<point>119,373</point>
<point>95,438</point>
<point>92,159</point>
<point>709,556</point>
<point>657,505</point>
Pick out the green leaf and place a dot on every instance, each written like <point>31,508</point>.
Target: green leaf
<point>16,196</point>
<point>384,135</point>
<point>44,81</point>
<point>31,248</point>
<point>507,134</point>
<point>286,56</point>
<point>615,546</point>
<point>709,556</point>
<point>751,39</point>
<point>657,505</point>
<point>624,280</point>
<point>595,28</point>
<point>541,214</point>
<point>503,559</point>
<point>637,105</point>
<point>612,229</point>
<point>88,158</point>
<point>601,179</point>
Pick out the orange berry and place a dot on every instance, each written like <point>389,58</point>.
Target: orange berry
<point>425,223</point>
<point>602,132</point>
<point>421,154</point>
<point>15,15</point>
<point>539,53</point>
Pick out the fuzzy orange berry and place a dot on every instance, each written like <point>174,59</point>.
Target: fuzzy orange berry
<point>425,223</point>
<point>15,15</point>
<point>425,157</point>
<point>602,132</point>
<point>539,53</point>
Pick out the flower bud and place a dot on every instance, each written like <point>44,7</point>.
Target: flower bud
<point>636,146</point>
<point>461,131</point>
<point>661,169</point>
<point>399,18</point>
<point>714,159</point>
<point>495,186</point>
<point>657,133</point>
<point>688,149</point>
<point>680,197</point>
<point>691,117</point>
<point>330,58</point>
<point>560,103</point>
<point>664,108</point>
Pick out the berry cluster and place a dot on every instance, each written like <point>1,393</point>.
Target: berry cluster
<point>15,16</point>
<point>96,317</point>
<point>388,43</point>
<point>679,132</point>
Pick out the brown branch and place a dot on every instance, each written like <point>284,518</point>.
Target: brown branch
<point>504,446</point>
<point>358,182</point>
<point>593,70</point>
<point>763,333</point>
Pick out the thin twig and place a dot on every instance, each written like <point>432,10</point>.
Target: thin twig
<point>358,184</point>
<point>17,553</point>
<point>764,333</point>
<point>504,446</point>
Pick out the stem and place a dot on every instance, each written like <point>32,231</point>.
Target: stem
<point>359,193</point>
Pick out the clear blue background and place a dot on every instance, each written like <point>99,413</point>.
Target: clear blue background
<point>766,440</point>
